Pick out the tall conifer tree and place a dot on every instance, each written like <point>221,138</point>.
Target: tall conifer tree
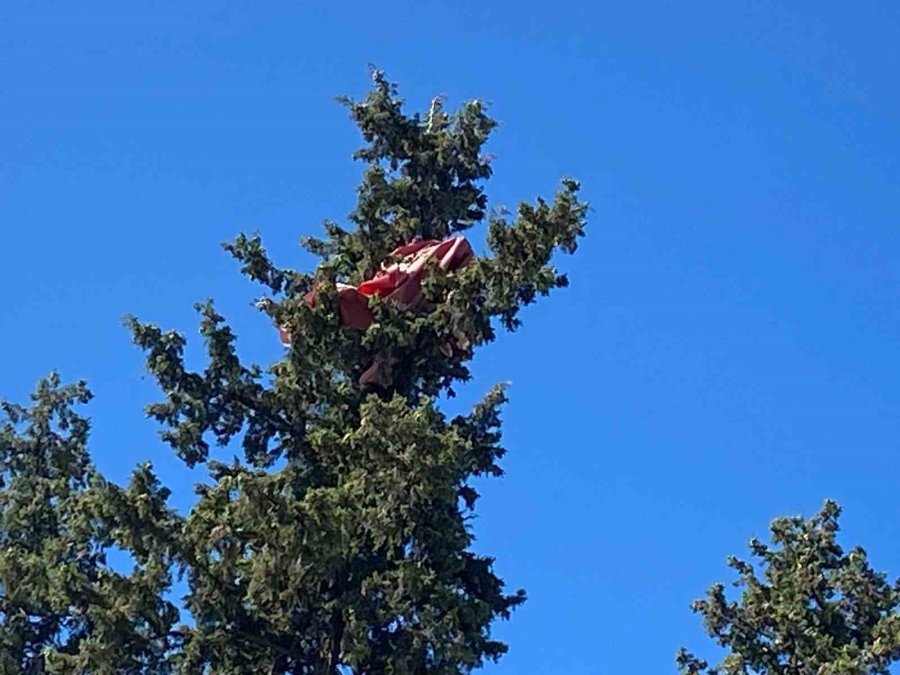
<point>339,538</point>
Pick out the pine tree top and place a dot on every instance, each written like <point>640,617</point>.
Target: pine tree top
<point>807,607</point>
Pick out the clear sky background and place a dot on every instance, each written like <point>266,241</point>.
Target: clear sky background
<point>727,350</point>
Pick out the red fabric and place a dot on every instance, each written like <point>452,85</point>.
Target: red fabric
<point>400,282</point>
<point>352,306</point>
<point>383,284</point>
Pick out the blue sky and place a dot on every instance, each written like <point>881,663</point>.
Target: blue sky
<point>727,350</point>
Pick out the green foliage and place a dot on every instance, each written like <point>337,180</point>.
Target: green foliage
<point>339,539</point>
<point>62,608</point>
<point>812,609</point>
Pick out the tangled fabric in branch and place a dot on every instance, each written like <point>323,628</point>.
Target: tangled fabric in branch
<point>400,282</point>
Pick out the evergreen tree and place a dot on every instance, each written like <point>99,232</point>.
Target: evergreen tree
<point>63,609</point>
<point>339,540</point>
<point>811,609</point>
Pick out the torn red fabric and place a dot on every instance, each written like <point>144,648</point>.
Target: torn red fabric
<point>400,282</point>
